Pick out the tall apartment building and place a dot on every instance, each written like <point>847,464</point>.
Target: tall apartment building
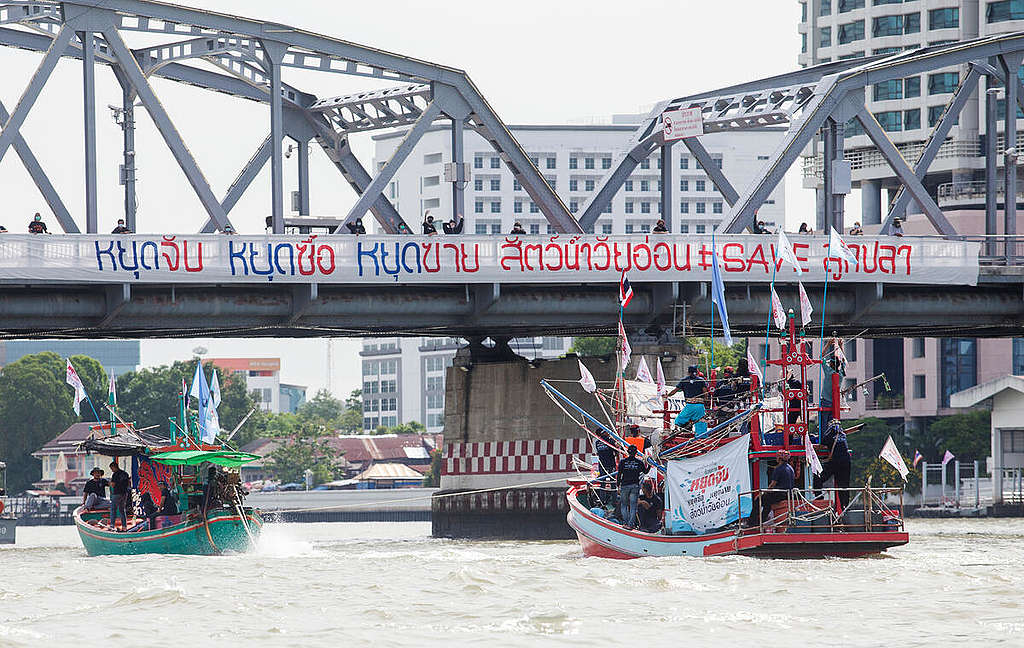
<point>573,159</point>
<point>907,108</point>
<point>403,378</point>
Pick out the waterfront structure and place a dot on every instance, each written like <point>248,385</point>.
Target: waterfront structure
<point>404,377</point>
<point>65,462</point>
<point>119,356</point>
<point>263,378</point>
<point>573,159</point>
<point>908,108</point>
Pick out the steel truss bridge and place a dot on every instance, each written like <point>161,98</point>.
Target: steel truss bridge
<point>249,59</point>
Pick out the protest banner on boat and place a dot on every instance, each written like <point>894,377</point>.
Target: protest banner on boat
<point>704,492</point>
<point>348,259</point>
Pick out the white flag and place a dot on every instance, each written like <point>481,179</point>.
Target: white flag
<point>946,458</point>
<point>212,427</point>
<point>785,250</point>
<point>755,368</point>
<point>812,456</point>
<point>643,372</point>
<point>587,379</point>
<point>778,313</point>
<point>72,379</point>
<point>661,380</point>
<point>805,306</point>
<point>838,249</point>
<point>112,389</point>
<point>625,351</point>
<point>894,458</point>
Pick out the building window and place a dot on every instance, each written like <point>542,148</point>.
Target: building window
<point>911,87</point>
<point>1004,10</point>
<point>887,26</point>
<point>495,206</point>
<point>943,82</point>
<point>684,185</point>
<point>919,386</point>
<point>534,228</point>
<point>911,119</point>
<point>432,158</point>
<point>887,90</point>
<point>552,180</point>
<point>1018,356</point>
<point>517,207</point>
<point>701,207</point>
<point>480,228</point>
<point>629,185</point>
<point>495,163</point>
<point>478,161</point>
<point>699,186</point>
<point>588,163</point>
<point>852,55</point>
<point>700,229</point>
<point>886,50</point>
<point>718,162</point>
<point>890,120</point>
<point>716,208</point>
<point>629,228</point>
<point>935,114</point>
<point>875,3</point>
<point>574,206</point>
<point>574,184</point>
<point>958,365</point>
<point>825,8</point>
<point>948,18</point>
<point>606,163</point>
<point>588,185</point>
<point>684,228</point>
<point>478,184</point>
<point>629,206</point>
<point>1013,441</point>
<point>495,184</point>
<point>645,185</point>
<point>574,162</point>
<point>803,43</point>
<point>645,163</point>
<point>803,12</point>
<point>645,207</point>
<point>684,163</point>
<point>606,228</point>
<point>684,207</point>
<point>825,37</point>
<point>851,32</point>
<point>917,350</point>
<point>850,349</point>
<point>515,185</point>
<point>495,228</point>
<point>912,23</point>
<point>533,208</point>
<point>478,207</point>
<point>850,5</point>
<point>551,162</point>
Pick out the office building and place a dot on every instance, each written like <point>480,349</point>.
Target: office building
<point>263,379</point>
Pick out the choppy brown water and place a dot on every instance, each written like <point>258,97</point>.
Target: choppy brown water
<point>391,584</point>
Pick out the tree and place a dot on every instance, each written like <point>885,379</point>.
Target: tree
<point>352,418</point>
<point>725,356</point>
<point>324,409</point>
<point>306,449</point>
<point>432,479</point>
<point>593,346</point>
<point>967,435</point>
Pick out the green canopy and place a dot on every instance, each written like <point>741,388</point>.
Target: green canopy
<point>231,459</point>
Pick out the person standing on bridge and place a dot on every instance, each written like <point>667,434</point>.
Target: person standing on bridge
<point>356,227</point>
<point>3,230</point>
<point>451,227</point>
<point>428,225</point>
<point>517,228</point>
<point>37,226</point>
<point>659,227</point>
<point>120,229</point>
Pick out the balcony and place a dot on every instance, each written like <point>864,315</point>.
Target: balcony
<point>864,159</point>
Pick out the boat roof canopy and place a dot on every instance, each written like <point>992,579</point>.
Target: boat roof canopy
<point>228,458</point>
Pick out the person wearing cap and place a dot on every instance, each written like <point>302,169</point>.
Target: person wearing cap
<point>631,470</point>
<point>517,228</point>
<point>120,485</point>
<point>37,226</point>
<point>897,227</point>
<point>693,388</point>
<point>121,229</point>
<point>94,495</point>
<point>782,481</point>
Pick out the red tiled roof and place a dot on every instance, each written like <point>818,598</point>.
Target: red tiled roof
<point>68,440</point>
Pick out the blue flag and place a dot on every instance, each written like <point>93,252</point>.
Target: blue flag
<point>718,294</point>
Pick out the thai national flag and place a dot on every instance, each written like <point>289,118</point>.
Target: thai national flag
<point>917,458</point>
<point>625,291</point>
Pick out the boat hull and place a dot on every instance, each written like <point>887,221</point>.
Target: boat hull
<point>226,533</point>
<point>601,538</point>
<point>8,526</point>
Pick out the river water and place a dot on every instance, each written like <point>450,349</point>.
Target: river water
<point>392,585</point>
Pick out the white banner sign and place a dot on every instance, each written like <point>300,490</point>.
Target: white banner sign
<point>348,259</point>
<point>685,122</point>
<point>704,492</point>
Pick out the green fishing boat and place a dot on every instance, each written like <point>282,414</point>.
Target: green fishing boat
<point>195,481</point>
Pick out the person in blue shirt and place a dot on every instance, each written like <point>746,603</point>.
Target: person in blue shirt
<point>782,481</point>
<point>838,464</point>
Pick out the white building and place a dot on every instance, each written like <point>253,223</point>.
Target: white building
<point>262,378</point>
<point>907,108</point>
<point>574,159</point>
<point>403,378</point>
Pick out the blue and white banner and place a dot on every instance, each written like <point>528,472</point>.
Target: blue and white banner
<point>704,493</point>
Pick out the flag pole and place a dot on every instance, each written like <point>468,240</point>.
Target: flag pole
<point>768,326</point>
<point>94,412</point>
<point>714,259</point>
<point>821,344</point>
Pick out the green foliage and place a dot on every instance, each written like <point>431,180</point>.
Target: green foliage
<point>432,479</point>
<point>866,444</point>
<point>302,449</point>
<point>725,356</point>
<point>593,346</point>
<point>412,427</point>
<point>352,418</point>
<point>36,406</point>
<point>150,397</point>
<point>968,436</point>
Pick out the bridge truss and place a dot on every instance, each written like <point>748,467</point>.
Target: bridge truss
<point>250,58</point>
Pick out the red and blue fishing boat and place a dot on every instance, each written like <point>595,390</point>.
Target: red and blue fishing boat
<point>211,518</point>
<point>711,476</point>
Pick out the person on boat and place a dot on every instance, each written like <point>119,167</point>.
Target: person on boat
<point>149,512</point>
<point>94,494</point>
<point>631,469</point>
<point>832,364</point>
<point>120,229</point>
<point>428,225</point>
<point>650,506</point>
<point>838,464</point>
<point>517,228</point>
<point>37,226</point>
<point>120,487</point>
<point>659,227</point>
<point>693,388</point>
<point>356,227</point>
<point>782,481</point>
<point>168,500</point>
<point>606,457</point>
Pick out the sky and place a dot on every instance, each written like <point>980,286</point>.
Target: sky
<point>535,62</point>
